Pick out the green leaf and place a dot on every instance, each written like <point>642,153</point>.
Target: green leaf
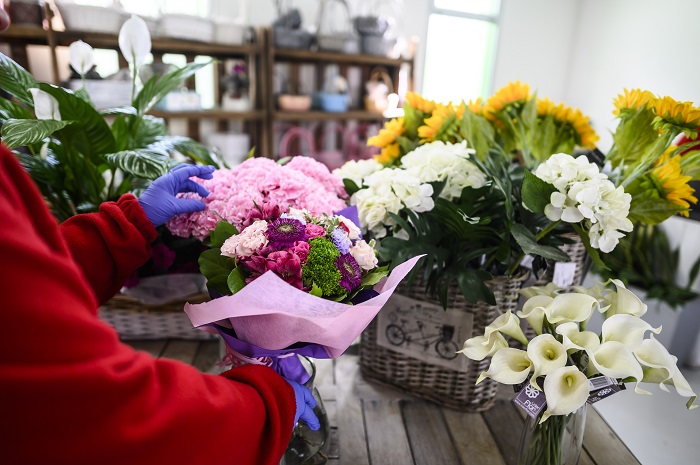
<point>536,193</point>
<point>92,135</point>
<point>527,241</point>
<point>213,264</point>
<point>350,186</point>
<point>18,132</point>
<point>16,81</point>
<point>693,273</point>
<point>315,290</point>
<point>652,210</point>
<point>144,163</point>
<point>11,110</point>
<point>195,151</point>
<point>83,95</point>
<point>472,283</point>
<point>250,154</point>
<point>219,284</point>
<point>159,86</point>
<point>126,110</point>
<point>221,232</point>
<point>373,277</point>
<point>236,280</point>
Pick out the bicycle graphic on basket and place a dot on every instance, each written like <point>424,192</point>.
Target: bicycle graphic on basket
<point>442,342</point>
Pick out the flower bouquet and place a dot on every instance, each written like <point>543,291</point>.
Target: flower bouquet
<point>564,367</point>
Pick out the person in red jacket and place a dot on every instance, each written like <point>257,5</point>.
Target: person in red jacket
<point>70,392</point>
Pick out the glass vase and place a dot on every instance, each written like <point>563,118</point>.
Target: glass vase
<point>309,447</point>
<point>557,441</point>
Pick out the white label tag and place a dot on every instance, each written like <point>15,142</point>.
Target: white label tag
<point>564,274</point>
<point>527,261</point>
<point>600,382</point>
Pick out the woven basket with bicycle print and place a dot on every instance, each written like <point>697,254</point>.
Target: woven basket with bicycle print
<point>450,388</point>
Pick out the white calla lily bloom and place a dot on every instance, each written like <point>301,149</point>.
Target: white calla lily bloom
<point>570,307</point>
<point>550,290</point>
<point>81,57</point>
<point>533,311</point>
<point>566,390</point>
<point>624,301</point>
<point>45,105</point>
<point>134,40</point>
<point>616,360</point>
<point>547,354</point>
<point>480,347</point>
<point>507,324</point>
<point>627,329</point>
<point>508,366</point>
<point>574,340</point>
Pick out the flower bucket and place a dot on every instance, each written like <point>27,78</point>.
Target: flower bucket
<point>436,379</point>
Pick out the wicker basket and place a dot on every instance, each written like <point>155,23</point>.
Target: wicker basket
<point>450,388</point>
<point>134,320</point>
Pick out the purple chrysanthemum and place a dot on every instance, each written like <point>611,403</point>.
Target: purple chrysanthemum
<point>284,232</point>
<point>341,241</point>
<point>350,272</point>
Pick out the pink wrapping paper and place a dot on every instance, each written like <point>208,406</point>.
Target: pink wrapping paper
<point>270,313</point>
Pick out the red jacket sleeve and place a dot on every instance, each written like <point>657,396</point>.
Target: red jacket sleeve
<point>71,393</point>
<point>110,244</point>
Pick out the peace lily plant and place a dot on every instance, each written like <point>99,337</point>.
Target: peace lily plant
<point>79,159</point>
<point>563,356</point>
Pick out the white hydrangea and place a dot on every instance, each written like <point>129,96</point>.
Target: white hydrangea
<point>357,170</point>
<point>438,160</point>
<point>389,191</point>
<point>584,194</point>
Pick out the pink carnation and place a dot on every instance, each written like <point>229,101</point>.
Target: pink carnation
<point>287,266</point>
<point>301,250</point>
<point>314,230</point>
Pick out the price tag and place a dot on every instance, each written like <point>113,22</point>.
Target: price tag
<point>564,274</point>
<point>527,261</point>
<point>531,400</point>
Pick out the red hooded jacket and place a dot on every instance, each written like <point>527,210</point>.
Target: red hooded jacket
<point>70,392</point>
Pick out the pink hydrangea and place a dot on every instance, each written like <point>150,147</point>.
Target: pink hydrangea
<point>303,183</point>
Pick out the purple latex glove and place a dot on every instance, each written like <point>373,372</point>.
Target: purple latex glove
<point>305,404</point>
<point>159,201</point>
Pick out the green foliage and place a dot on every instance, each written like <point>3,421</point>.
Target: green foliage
<point>536,192</point>
<point>645,259</point>
<point>81,161</point>
<point>221,232</point>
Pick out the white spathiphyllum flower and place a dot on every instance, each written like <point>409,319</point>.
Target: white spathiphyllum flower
<point>547,354</point>
<point>507,324</point>
<point>134,40</point>
<point>534,310</point>
<point>570,307</point>
<point>81,57</point>
<point>660,367</point>
<point>623,301</point>
<point>574,340</point>
<point>566,389</point>
<point>550,289</point>
<point>357,170</point>
<point>615,360</point>
<point>626,329</point>
<point>45,105</point>
<point>508,366</point>
<point>479,347</point>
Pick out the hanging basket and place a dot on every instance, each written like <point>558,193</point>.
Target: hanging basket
<point>456,389</point>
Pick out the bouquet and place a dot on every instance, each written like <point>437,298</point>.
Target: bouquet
<point>568,366</point>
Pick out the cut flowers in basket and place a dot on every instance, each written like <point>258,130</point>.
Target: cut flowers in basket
<point>79,160</point>
<point>570,366</point>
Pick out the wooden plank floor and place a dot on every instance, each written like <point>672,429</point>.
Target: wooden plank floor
<point>377,425</point>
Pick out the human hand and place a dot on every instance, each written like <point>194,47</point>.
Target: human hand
<point>159,200</point>
<point>305,404</point>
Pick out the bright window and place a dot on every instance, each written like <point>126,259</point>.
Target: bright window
<point>460,50</point>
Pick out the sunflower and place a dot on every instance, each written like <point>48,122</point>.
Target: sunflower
<point>476,106</point>
<point>392,129</point>
<point>632,100</point>
<point>513,92</point>
<point>585,134</point>
<point>433,125</point>
<point>389,153</point>
<point>675,184</point>
<point>544,107</point>
<point>420,103</point>
<point>671,114</point>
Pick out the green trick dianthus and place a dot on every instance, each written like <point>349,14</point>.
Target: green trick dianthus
<point>320,267</point>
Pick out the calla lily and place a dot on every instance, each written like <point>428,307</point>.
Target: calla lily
<point>624,301</point>
<point>566,389</point>
<point>81,57</point>
<point>651,353</point>
<point>508,366</point>
<point>134,40</point>
<point>480,347</point>
<point>574,340</point>
<point>507,324</point>
<point>45,105</point>
<point>615,360</point>
<point>570,307</point>
<point>550,290</point>
<point>533,311</point>
<point>547,354</point>
<point>627,329</point>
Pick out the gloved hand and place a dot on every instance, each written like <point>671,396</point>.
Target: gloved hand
<point>159,201</point>
<point>305,404</point>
